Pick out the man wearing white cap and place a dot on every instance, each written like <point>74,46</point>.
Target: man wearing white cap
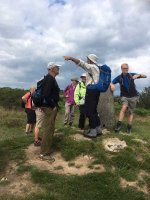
<point>79,97</point>
<point>92,95</point>
<point>50,92</point>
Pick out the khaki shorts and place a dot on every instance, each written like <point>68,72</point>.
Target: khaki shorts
<point>39,117</point>
<point>130,102</point>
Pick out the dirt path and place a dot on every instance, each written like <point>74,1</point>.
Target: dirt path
<point>79,166</point>
<point>15,184</point>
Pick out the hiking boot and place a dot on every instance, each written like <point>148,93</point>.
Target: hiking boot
<point>118,126</point>
<point>129,128</point>
<point>91,134</point>
<point>37,143</point>
<point>99,130</point>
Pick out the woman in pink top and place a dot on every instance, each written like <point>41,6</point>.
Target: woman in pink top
<point>31,117</point>
<point>70,103</point>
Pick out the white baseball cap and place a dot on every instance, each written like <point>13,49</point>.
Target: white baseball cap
<point>93,58</point>
<point>52,65</point>
<point>83,75</point>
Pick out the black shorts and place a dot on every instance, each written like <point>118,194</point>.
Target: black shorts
<point>31,116</point>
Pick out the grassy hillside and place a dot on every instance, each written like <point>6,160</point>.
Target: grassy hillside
<point>131,164</point>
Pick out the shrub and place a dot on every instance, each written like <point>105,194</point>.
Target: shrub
<point>144,100</point>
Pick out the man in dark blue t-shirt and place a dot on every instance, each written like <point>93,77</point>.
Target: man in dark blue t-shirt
<point>128,93</point>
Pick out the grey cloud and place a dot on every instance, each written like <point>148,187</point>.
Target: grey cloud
<point>38,33</point>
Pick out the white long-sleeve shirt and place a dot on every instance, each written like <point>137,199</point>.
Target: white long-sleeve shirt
<point>93,70</point>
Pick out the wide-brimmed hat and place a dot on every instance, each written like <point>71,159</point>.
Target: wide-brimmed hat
<point>51,65</point>
<point>83,75</point>
<point>93,58</point>
<point>74,79</point>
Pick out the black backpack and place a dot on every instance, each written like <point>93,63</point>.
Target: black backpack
<point>37,97</point>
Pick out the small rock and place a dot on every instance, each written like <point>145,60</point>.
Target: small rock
<point>3,179</point>
<point>105,131</point>
<point>79,137</point>
<point>114,144</point>
<point>86,157</point>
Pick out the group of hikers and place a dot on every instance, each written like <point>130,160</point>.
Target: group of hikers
<point>81,94</point>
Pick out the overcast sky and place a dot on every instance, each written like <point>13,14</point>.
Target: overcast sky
<point>32,33</point>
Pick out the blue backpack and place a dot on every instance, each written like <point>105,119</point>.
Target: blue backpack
<point>104,79</point>
<point>37,96</point>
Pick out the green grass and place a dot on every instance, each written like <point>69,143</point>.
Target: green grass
<point>71,149</point>
<point>94,186</point>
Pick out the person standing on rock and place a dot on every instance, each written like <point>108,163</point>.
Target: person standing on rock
<point>128,93</point>
<point>92,95</point>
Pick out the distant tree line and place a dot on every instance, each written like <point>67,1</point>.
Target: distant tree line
<point>11,98</point>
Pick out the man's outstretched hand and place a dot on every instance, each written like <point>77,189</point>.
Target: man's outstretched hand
<point>75,60</point>
<point>66,57</point>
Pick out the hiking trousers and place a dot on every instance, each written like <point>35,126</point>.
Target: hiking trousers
<point>91,102</point>
<point>82,116</point>
<point>69,113</point>
<point>48,129</point>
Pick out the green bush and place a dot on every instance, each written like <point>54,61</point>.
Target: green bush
<point>142,112</point>
<point>11,98</point>
<point>144,100</point>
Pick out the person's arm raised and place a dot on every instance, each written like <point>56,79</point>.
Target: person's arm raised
<point>76,61</point>
<point>136,76</point>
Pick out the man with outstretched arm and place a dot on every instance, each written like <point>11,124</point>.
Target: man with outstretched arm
<point>92,95</point>
<point>128,93</point>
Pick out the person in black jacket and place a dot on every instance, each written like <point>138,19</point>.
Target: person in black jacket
<point>50,91</point>
<point>128,93</point>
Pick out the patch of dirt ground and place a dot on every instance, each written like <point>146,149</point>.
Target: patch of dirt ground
<point>18,185</point>
<point>124,183</point>
<point>79,166</point>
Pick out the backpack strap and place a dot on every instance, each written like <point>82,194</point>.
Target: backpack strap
<point>121,79</point>
<point>79,90</point>
<point>90,74</point>
<point>130,75</point>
